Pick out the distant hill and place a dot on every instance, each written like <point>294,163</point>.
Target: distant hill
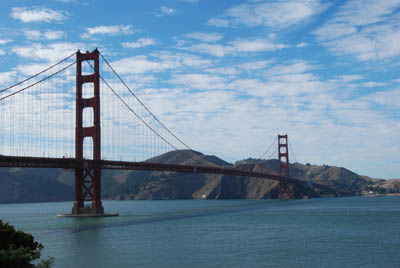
<point>386,186</point>
<point>343,181</point>
<point>35,185</point>
<point>188,157</point>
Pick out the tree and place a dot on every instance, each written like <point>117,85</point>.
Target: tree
<point>19,249</point>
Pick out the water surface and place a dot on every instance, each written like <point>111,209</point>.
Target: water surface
<point>338,232</point>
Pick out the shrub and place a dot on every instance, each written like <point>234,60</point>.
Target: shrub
<point>19,249</point>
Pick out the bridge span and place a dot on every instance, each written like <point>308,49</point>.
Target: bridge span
<point>72,163</point>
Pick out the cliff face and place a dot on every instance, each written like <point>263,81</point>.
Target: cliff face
<point>33,185</point>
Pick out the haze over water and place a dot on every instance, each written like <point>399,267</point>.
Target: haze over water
<point>342,232</point>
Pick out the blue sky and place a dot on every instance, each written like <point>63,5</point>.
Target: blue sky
<point>228,76</point>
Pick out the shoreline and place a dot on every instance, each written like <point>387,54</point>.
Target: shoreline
<point>110,199</point>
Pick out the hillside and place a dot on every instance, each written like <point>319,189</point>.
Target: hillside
<point>343,181</point>
<point>34,185</point>
<point>171,185</point>
<point>386,186</point>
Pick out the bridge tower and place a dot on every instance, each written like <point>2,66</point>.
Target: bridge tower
<point>88,177</point>
<point>283,164</point>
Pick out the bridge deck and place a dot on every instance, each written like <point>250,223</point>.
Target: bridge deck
<point>72,163</point>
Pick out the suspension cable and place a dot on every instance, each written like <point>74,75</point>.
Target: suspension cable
<point>45,70</point>
<point>130,109</point>
<point>155,132</point>
<point>170,132</point>
<point>144,122</point>
<point>31,85</point>
<point>291,149</point>
<point>272,154</point>
<point>269,148</point>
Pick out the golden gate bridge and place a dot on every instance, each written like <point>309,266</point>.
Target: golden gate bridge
<point>59,118</point>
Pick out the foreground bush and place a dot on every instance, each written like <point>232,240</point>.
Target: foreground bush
<point>19,249</point>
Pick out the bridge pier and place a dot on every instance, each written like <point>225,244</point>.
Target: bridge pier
<point>87,188</point>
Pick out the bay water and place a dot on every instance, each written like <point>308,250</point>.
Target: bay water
<point>330,232</point>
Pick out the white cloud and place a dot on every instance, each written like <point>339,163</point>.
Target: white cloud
<point>53,35</point>
<point>141,42</point>
<point>256,45</point>
<point>288,85</point>
<point>199,81</point>
<point>292,67</point>
<point>33,34</point>
<point>141,64</point>
<point>365,12</point>
<point>158,62</point>
<point>288,79</point>
<point>374,84</point>
<point>334,30</point>
<point>218,22</point>
<point>303,44</point>
<point>49,35</point>
<point>164,11</point>
<point>5,41</point>
<point>377,45</point>
<point>7,78</point>
<point>36,14</point>
<point>191,1</point>
<point>387,98</point>
<point>107,30</point>
<point>255,65</point>
<point>275,14</point>
<point>139,80</point>
<point>31,69</point>
<point>182,60</point>
<point>367,30</point>
<point>206,37</point>
<point>350,77</point>
<point>49,53</point>
<point>235,47</point>
<point>224,71</point>
<point>2,52</point>
<point>167,11</point>
<point>212,49</point>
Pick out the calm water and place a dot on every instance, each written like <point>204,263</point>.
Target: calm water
<point>344,232</point>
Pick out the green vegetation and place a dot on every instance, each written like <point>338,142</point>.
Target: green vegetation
<point>19,249</point>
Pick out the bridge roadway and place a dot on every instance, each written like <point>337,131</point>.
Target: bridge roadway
<point>72,163</point>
